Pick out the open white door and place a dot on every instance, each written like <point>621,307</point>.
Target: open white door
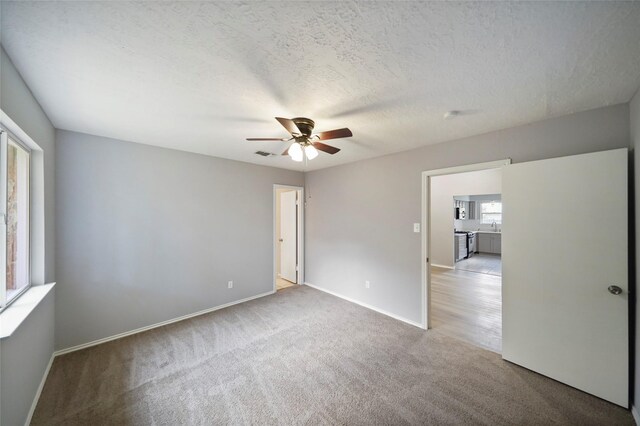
<point>564,244</point>
<point>288,236</point>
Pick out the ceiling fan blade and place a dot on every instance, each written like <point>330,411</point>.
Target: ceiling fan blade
<point>268,139</point>
<point>335,134</point>
<point>289,125</point>
<point>326,148</point>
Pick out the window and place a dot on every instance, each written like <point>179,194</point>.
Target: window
<point>15,259</point>
<point>490,212</point>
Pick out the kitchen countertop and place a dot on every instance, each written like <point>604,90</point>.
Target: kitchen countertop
<point>484,232</point>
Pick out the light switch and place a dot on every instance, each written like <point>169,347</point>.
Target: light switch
<point>416,227</point>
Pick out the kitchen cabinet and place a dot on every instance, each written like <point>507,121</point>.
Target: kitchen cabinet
<point>460,246</point>
<point>496,244</point>
<point>483,244</point>
<point>489,242</point>
<point>459,210</point>
<point>471,210</point>
<point>469,207</point>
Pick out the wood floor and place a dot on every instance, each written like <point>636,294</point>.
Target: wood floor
<point>282,283</point>
<point>483,263</point>
<point>468,306</point>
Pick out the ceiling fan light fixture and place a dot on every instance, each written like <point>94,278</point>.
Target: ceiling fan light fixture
<point>311,152</point>
<point>295,152</point>
<point>301,130</point>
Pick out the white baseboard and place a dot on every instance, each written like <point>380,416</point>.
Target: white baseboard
<point>635,415</point>
<point>160,324</point>
<point>128,333</point>
<point>36,398</point>
<point>365,305</point>
<point>442,266</point>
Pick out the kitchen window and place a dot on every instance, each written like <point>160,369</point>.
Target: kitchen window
<point>15,258</point>
<point>490,212</point>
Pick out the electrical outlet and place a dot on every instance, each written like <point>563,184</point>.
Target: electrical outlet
<point>367,284</point>
<point>416,227</point>
<point>230,284</point>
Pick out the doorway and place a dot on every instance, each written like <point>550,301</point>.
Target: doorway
<point>465,219</point>
<point>464,304</point>
<point>288,236</point>
<point>565,304</point>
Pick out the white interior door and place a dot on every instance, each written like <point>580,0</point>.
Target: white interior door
<point>564,243</point>
<point>288,235</point>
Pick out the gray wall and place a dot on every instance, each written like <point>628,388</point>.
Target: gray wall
<point>147,234</point>
<point>19,104</point>
<point>24,358</point>
<point>634,112</point>
<point>25,355</point>
<point>360,215</point>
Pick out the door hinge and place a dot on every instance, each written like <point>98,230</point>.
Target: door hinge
<point>297,268</point>
<point>427,260</point>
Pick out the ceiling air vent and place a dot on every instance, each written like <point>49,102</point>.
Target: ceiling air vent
<point>264,154</point>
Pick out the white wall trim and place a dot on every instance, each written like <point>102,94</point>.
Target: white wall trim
<point>36,187</point>
<point>365,305</point>
<point>468,168</point>
<point>425,224</point>
<point>18,311</point>
<point>128,333</point>
<point>160,324</point>
<point>635,415</point>
<point>442,266</point>
<point>36,398</point>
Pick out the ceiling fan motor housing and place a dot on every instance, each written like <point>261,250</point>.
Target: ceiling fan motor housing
<point>305,125</point>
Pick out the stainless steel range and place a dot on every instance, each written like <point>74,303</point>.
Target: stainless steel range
<point>465,244</point>
<point>471,244</point>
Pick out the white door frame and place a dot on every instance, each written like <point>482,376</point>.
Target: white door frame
<point>425,300</point>
<point>300,254</point>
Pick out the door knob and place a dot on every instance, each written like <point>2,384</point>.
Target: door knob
<point>614,289</point>
<point>281,240</point>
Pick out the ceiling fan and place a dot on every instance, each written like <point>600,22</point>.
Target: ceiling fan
<point>306,144</point>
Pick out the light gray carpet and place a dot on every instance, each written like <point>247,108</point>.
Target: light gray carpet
<point>303,357</point>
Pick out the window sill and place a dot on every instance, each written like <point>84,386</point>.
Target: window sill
<point>18,311</point>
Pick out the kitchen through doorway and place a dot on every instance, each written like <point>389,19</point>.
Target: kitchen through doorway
<point>465,268</point>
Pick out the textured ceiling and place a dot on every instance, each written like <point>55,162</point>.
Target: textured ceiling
<point>203,76</point>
